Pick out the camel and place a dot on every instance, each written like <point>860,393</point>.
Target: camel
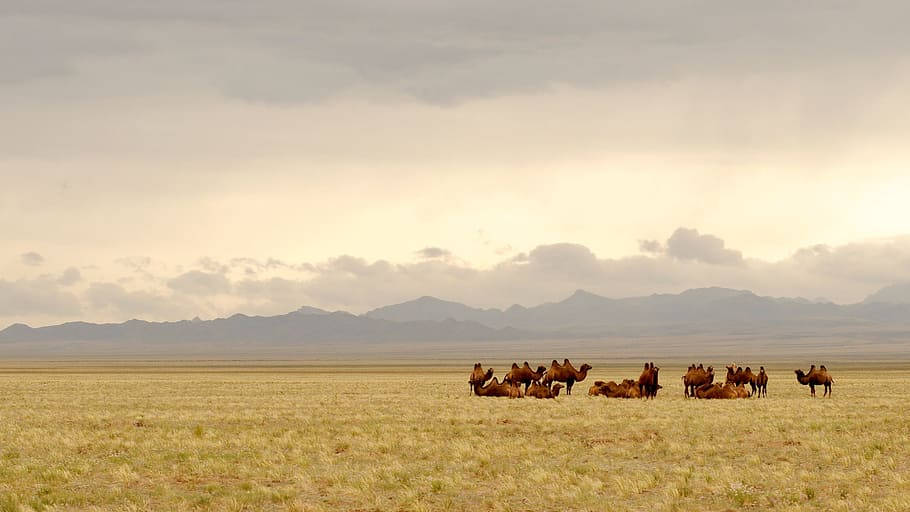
<point>814,378</point>
<point>478,377</point>
<point>738,376</point>
<point>647,381</point>
<point>715,391</point>
<point>760,383</point>
<point>696,377</point>
<point>627,389</point>
<point>514,390</point>
<point>524,374</point>
<point>567,373</point>
<point>495,388</point>
<point>538,390</point>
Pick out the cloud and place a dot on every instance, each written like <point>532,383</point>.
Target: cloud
<point>687,244</point>
<point>843,273</point>
<point>32,258</point>
<point>40,297</point>
<point>433,253</point>
<point>114,301</point>
<point>438,52</point>
<point>70,276</point>
<point>650,246</point>
<point>197,282</point>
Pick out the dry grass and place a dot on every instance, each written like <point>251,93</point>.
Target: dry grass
<point>413,439</point>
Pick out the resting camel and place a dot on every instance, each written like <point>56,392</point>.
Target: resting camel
<point>627,389</point>
<point>567,373</point>
<point>760,383</point>
<point>524,374</point>
<point>814,378</point>
<point>647,381</point>
<point>695,377</point>
<point>538,390</point>
<point>495,388</point>
<point>478,377</point>
<point>715,391</point>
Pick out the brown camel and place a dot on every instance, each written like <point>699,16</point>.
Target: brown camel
<point>725,392</point>
<point>478,377</point>
<point>495,388</point>
<point>524,374</point>
<point>567,373</point>
<point>538,390</point>
<point>760,383</point>
<point>696,377</point>
<point>647,381</point>
<point>814,378</point>
<point>739,377</point>
<point>627,389</point>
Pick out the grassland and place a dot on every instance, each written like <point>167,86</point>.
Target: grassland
<point>204,437</point>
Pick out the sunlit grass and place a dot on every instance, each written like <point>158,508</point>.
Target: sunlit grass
<point>414,439</point>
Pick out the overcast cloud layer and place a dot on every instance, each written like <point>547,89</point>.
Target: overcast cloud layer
<point>167,159</point>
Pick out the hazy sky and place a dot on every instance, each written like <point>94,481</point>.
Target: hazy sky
<point>166,159</point>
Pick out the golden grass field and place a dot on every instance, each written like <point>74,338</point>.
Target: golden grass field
<point>145,436</point>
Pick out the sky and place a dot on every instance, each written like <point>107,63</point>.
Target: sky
<point>164,160</point>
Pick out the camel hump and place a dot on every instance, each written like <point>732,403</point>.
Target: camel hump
<point>565,362</point>
<point>823,368</point>
<point>554,363</point>
<point>514,366</point>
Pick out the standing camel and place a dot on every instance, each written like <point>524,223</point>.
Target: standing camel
<point>647,381</point>
<point>567,373</point>
<point>760,383</point>
<point>814,378</point>
<point>695,378</point>
<point>524,374</point>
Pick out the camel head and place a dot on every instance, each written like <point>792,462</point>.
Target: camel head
<point>799,373</point>
<point>556,388</point>
<point>541,369</point>
<point>585,367</point>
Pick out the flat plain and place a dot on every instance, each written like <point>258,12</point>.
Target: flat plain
<point>385,436</point>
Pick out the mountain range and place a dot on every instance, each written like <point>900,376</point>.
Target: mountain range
<point>704,313</point>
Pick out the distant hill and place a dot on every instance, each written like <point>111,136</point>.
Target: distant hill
<point>709,310</point>
<point>895,294</point>
<point>694,315</point>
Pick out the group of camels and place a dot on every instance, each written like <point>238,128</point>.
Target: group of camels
<point>698,382</point>
<point>538,383</point>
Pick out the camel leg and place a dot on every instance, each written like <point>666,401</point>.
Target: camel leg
<point>569,384</point>
<point>812,389</point>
